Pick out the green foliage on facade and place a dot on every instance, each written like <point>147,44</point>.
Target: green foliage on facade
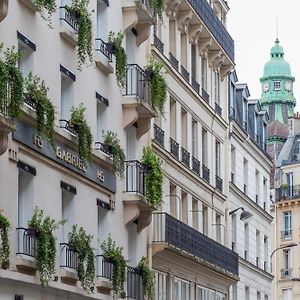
<point>48,7</point>
<point>147,278</point>
<point>4,242</point>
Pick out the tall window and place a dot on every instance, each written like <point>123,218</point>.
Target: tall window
<point>160,286</point>
<point>205,219</point>
<point>266,246</point>
<point>258,296</point>
<point>246,239</point>
<point>233,158</point>
<point>194,138</point>
<point>218,228</point>
<point>265,191</point>
<point>287,294</point>
<point>286,262</point>
<point>247,293</point>
<point>67,96</point>
<point>172,119</point>
<point>257,186</point>
<point>181,289</point>
<point>204,73</point>
<point>184,50</point>
<point>194,64</point>
<point>289,180</point>
<point>102,20</point>
<point>26,57</point>
<point>257,248</point>
<point>204,146</point>
<point>184,128</point>
<point>217,86</point>
<point>68,213</point>
<point>184,207</point>
<point>245,166</point>
<point>287,225</point>
<point>218,158</point>
<point>101,119</point>
<point>195,214</point>
<point>172,36</point>
<point>233,232</point>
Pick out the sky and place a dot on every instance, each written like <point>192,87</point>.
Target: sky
<point>252,25</point>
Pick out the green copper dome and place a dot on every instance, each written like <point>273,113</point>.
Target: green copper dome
<point>277,65</point>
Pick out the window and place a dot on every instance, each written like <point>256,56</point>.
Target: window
<point>194,138</point>
<point>204,73</point>
<point>184,207</point>
<point>205,219</point>
<point>257,186</point>
<point>247,293</point>
<point>246,239</point>
<point>181,290</point>
<point>173,201</point>
<point>286,262</point>
<point>160,286</point>
<point>101,119</point>
<point>26,57</point>
<point>183,50</point>
<point>173,119</point>
<point>245,167</point>
<point>265,191</point>
<point>204,147</point>
<point>67,96</point>
<point>257,248</point>
<point>276,85</point>
<point>266,247</point>
<point>194,61</point>
<point>217,87</point>
<point>233,232</point>
<point>172,36</point>
<point>287,294</point>
<point>102,20</point>
<point>195,213</point>
<point>218,228</point>
<point>68,213</point>
<point>287,225</point>
<point>233,158</point>
<point>258,296</point>
<point>203,293</point>
<point>184,128</point>
<point>218,158</point>
<point>289,180</point>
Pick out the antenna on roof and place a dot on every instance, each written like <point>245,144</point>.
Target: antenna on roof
<point>277,28</point>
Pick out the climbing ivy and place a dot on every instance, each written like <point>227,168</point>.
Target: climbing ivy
<point>147,278</point>
<point>4,245</point>
<point>46,6</point>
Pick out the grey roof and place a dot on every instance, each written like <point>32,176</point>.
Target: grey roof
<point>290,152</point>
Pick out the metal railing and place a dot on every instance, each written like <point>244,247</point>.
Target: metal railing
<point>245,189</point>
<point>205,173</point>
<point>107,149</point>
<point>205,95</point>
<point>137,82</point>
<point>185,157</point>
<point>219,184</point>
<point>134,284</point>
<point>265,266</point>
<point>69,17</point>
<point>178,234</point>
<point>232,177</point>
<point>195,85</point>
<point>185,73</point>
<point>104,267</point>
<point>29,102</point>
<point>101,46</point>
<point>159,135</point>
<point>256,199</point>
<point>174,148</point>
<point>246,254</point>
<point>68,256</point>
<point>196,165</point>
<point>286,234</point>
<point>174,61</point>
<point>286,273</point>
<point>27,241</point>
<point>66,125</point>
<point>291,192</point>
<point>135,177</point>
<point>257,261</point>
<point>218,109</point>
<point>158,43</point>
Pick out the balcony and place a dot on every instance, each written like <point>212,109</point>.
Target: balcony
<point>159,136</point>
<point>196,165</point>
<point>174,148</point>
<point>27,243</point>
<point>134,284</point>
<point>69,25</point>
<point>195,85</point>
<point>158,44</point>
<point>172,234</point>
<point>286,234</point>
<point>138,14</point>
<point>286,273</point>
<point>219,184</point>
<point>104,271</point>
<point>3,9</point>
<point>66,125</point>
<point>218,109</point>
<point>205,173</point>
<point>205,96</point>
<point>174,62</point>
<point>185,74</point>
<point>136,206</point>
<point>185,157</point>
<point>103,56</point>
<point>136,101</point>
<point>68,263</point>
<point>106,149</point>
<point>291,192</point>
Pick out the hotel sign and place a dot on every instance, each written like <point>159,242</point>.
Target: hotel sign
<point>63,155</point>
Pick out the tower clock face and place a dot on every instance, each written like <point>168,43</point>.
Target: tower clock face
<point>266,86</point>
<point>288,86</point>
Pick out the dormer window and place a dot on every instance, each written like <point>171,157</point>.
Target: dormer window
<point>277,85</point>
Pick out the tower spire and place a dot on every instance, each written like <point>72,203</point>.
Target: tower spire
<point>277,28</point>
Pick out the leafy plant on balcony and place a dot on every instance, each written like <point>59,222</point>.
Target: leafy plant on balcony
<point>46,248</point>
<point>86,261</point>
<point>84,34</point>
<point>36,91</point>
<point>4,244</point>
<point>11,84</point>
<point>114,255</point>
<point>111,139</point>
<point>154,177</point>
<point>147,278</point>
<point>85,139</point>
<point>158,85</point>
<point>46,5</point>
<point>284,186</point>
<point>116,48</point>
<point>158,6</point>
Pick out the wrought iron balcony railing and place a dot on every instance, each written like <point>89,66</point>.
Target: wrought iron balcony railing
<point>68,256</point>
<point>245,189</point>
<point>196,165</point>
<point>104,267</point>
<point>174,148</point>
<point>107,149</point>
<point>232,177</point>
<point>66,125</point>
<point>158,44</point>
<point>27,241</point>
<point>137,83</point>
<point>286,234</point>
<point>218,109</point>
<point>101,46</point>
<point>215,26</point>
<point>29,102</point>
<point>286,273</point>
<point>185,73</point>
<point>256,199</point>
<point>174,62</point>
<point>159,136</point>
<point>195,85</point>
<point>69,17</point>
<point>205,95</point>
<point>135,177</point>
<point>219,184</point>
<point>134,284</point>
<point>169,230</point>
<point>205,173</point>
<point>185,157</point>
<point>291,192</point>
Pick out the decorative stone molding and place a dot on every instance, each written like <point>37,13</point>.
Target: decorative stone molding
<point>6,127</point>
<point>183,20</point>
<point>225,69</point>
<point>195,33</point>
<point>203,45</point>
<point>214,56</point>
<point>3,9</point>
<point>172,7</point>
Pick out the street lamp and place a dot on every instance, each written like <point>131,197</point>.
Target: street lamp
<point>244,215</point>
<point>290,245</point>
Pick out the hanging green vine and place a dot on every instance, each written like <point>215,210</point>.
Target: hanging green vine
<point>48,6</point>
<point>11,84</point>
<point>115,44</point>
<point>114,255</point>
<point>46,248</point>
<point>4,249</point>
<point>110,138</point>
<point>84,34</point>
<point>85,139</point>
<point>147,278</point>
<point>86,260</point>
<point>36,91</point>
<point>154,177</point>
<point>158,6</point>
<point>158,85</point>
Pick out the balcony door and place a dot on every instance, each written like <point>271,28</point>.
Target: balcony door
<point>287,223</point>
<point>289,180</point>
